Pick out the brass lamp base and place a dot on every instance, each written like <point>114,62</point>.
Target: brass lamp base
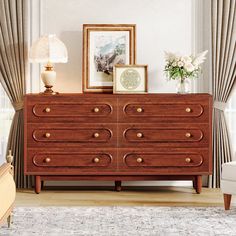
<point>49,78</point>
<point>49,91</point>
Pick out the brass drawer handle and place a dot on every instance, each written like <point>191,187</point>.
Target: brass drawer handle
<point>47,109</point>
<point>47,135</point>
<point>188,109</point>
<point>188,160</point>
<point>96,109</point>
<point>139,135</point>
<point>96,159</point>
<point>96,135</point>
<point>139,109</point>
<point>139,160</point>
<point>188,135</point>
<point>47,160</point>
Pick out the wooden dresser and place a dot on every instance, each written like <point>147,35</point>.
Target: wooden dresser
<point>118,137</point>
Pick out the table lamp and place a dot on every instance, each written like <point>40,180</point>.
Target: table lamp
<point>48,49</point>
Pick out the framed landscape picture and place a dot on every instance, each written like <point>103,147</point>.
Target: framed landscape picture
<point>103,47</point>
<point>130,79</point>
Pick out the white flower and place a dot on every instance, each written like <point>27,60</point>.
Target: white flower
<point>180,64</point>
<point>189,67</point>
<point>187,59</point>
<point>200,58</point>
<point>174,64</point>
<point>177,57</point>
<point>169,56</point>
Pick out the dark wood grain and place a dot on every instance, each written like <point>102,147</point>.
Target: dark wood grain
<point>163,161</point>
<point>159,160</point>
<point>70,161</point>
<point>67,134</point>
<point>165,134</point>
<point>118,137</point>
<point>73,109</point>
<point>54,110</point>
<point>165,108</point>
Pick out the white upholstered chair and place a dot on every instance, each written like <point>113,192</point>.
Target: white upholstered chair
<point>228,182</point>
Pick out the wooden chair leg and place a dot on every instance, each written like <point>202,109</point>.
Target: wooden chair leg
<point>227,201</point>
<point>118,186</point>
<point>9,219</point>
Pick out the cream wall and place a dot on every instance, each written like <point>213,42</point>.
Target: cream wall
<point>172,25</point>
<point>161,25</point>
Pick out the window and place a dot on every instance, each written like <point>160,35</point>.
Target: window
<point>231,118</point>
<point>6,115</point>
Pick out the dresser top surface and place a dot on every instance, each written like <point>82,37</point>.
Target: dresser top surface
<point>174,95</point>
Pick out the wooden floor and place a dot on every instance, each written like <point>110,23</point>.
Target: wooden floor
<point>130,196</point>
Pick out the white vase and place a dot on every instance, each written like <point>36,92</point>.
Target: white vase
<point>183,86</point>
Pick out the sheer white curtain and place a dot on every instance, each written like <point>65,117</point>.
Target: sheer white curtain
<point>6,115</point>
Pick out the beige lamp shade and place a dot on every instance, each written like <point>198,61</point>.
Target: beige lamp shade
<point>48,49</point>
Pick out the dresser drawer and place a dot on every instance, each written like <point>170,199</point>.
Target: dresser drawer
<point>72,160</point>
<point>164,161</point>
<point>69,135</point>
<point>81,110</point>
<point>141,110</point>
<point>153,135</point>
<point>179,109</point>
<point>67,161</point>
<point>72,110</point>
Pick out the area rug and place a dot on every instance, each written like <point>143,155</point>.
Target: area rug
<point>119,221</point>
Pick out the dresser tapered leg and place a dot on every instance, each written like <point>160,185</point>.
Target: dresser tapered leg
<point>227,201</point>
<point>118,186</point>
<point>37,184</point>
<point>198,180</point>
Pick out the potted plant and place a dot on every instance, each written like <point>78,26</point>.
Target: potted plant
<point>183,67</point>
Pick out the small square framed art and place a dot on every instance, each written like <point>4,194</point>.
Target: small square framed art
<point>105,45</point>
<point>130,79</point>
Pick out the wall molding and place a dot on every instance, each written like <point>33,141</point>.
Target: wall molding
<point>35,32</point>
<point>198,10</point>
<point>201,27</point>
<point>197,37</point>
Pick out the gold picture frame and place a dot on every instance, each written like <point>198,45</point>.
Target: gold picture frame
<point>105,45</point>
<point>130,79</point>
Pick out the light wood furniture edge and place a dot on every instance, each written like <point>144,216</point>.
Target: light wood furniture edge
<point>7,167</point>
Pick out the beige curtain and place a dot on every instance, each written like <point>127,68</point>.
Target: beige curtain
<point>13,71</point>
<point>223,22</point>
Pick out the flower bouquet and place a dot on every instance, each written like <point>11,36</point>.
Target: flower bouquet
<point>181,67</point>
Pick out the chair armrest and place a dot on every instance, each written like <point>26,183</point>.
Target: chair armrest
<point>6,168</point>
